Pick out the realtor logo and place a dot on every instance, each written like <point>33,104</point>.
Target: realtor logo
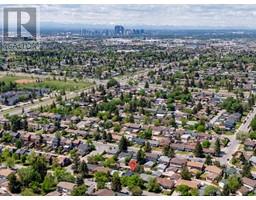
<point>20,29</point>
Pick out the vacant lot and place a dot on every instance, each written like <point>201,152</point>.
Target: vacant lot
<point>27,82</point>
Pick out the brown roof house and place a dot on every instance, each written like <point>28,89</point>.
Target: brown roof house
<point>212,173</point>
<point>178,162</point>
<point>249,183</point>
<point>195,165</point>
<point>165,183</point>
<point>4,172</point>
<point>242,191</point>
<point>104,192</point>
<point>54,193</point>
<point>191,184</point>
<point>65,187</point>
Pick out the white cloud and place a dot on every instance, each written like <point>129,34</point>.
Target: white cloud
<point>171,15</point>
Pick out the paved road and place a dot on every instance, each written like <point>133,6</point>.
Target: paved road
<point>245,127</point>
<point>234,143</point>
<point>31,106</point>
<point>48,101</point>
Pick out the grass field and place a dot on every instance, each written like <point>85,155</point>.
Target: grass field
<point>68,85</point>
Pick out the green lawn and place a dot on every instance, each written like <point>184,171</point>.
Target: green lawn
<point>59,85</point>
<point>12,78</point>
<point>68,85</point>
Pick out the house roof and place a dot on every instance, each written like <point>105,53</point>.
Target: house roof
<point>195,164</point>
<point>243,190</point>
<point>54,193</point>
<point>175,177</point>
<point>213,169</point>
<point>191,184</point>
<point>249,182</point>
<point>83,148</point>
<point>149,164</point>
<point>6,172</point>
<point>164,159</point>
<point>178,161</point>
<point>253,159</point>
<point>166,183</point>
<point>146,177</point>
<point>66,185</point>
<point>104,192</point>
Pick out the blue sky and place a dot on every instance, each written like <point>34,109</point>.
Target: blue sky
<point>153,15</point>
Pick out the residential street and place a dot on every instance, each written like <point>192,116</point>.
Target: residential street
<point>234,143</point>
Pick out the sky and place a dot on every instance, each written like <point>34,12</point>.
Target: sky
<point>218,16</point>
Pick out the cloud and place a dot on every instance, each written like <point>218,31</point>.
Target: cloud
<point>156,15</point>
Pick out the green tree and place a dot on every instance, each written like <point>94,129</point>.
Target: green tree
<point>123,144</point>
<point>79,190</point>
<point>28,175</point>
<point>253,124</point>
<point>14,184</point>
<point>199,150</point>
<point>185,174</point>
<point>40,167</point>
<point>109,137</point>
<point>206,144</point>
<point>10,162</point>
<point>186,191</point>
<point>200,128</point>
<point>62,175</point>
<point>232,105</point>
<point>253,135</point>
<point>208,160</point>
<point>76,163</point>
<point>217,147</point>
<point>140,156</point>
<point>210,191</point>
<point>79,180</point>
<point>110,162</point>
<point>168,151</point>
<point>31,158</point>
<point>131,181</point>
<point>153,186</point>
<point>147,147</point>
<point>101,178</point>
<point>16,122</point>
<point>136,191</point>
<point>49,183</point>
<point>27,192</point>
<point>18,144</point>
<point>246,171</point>
<point>7,137</point>
<point>83,169</point>
<point>226,190</point>
<point>146,84</point>
<point>116,183</point>
<point>194,192</point>
<point>233,183</point>
<point>112,82</point>
<point>147,134</point>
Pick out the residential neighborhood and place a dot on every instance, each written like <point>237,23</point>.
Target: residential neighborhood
<point>130,112</point>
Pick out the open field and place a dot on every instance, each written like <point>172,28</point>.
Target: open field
<point>27,82</point>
